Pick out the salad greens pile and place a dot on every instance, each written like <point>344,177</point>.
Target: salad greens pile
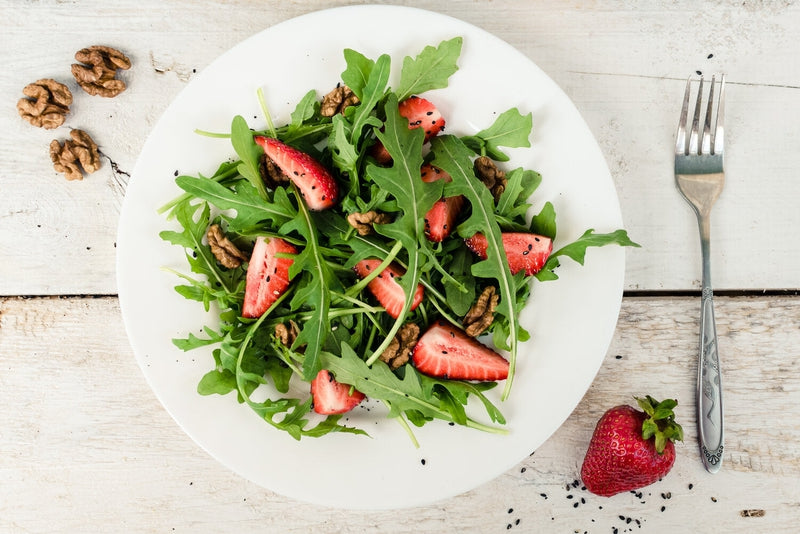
<point>340,327</point>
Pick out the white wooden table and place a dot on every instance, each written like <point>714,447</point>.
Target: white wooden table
<point>86,447</point>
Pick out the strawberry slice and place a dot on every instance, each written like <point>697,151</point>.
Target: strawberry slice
<point>440,219</point>
<point>446,351</point>
<point>315,183</point>
<point>267,275</point>
<point>385,286</point>
<point>421,113</point>
<point>332,397</point>
<point>526,252</point>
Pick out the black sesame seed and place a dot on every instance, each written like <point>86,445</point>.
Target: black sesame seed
<point>576,505</point>
<point>422,461</point>
<point>176,173</point>
<point>663,508</point>
<point>691,486</point>
<point>570,496</point>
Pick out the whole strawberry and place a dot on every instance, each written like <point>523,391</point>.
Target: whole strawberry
<point>631,449</point>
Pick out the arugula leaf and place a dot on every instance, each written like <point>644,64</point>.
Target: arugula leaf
<point>251,208</point>
<point>373,91</point>
<point>414,198</point>
<point>217,383</point>
<point>359,68</point>
<point>304,110</point>
<point>577,249</point>
<point>514,201</point>
<point>201,260</point>
<point>411,393</point>
<point>511,129</point>
<point>249,152</point>
<point>430,70</point>
<point>544,223</point>
<point>313,290</point>
<point>451,155</point>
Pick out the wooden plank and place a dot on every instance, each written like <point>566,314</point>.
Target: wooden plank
<point>619,64</point>
<point>85,446</point>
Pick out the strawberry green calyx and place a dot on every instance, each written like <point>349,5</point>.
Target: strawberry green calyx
<point>660,422</point>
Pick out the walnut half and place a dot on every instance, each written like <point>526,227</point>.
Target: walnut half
<point>223,248</point>
<point>481,315</point>
<point>46,105</point>
<point>338,100</point>
<point>81,149</point>
<point>492,177</point>
<point>363,222</point>
<point>96,73</point>
<point>399,350</point>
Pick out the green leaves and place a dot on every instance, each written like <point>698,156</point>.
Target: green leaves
<point>660,423</point>
<point>577,249</point>
<point>451,155</point>
<point>334,321</point>
<point>430,70</point>
<point>511,129</point>
<point>249,153</point>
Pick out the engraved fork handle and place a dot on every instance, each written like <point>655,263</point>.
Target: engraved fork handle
<point>709,378</point>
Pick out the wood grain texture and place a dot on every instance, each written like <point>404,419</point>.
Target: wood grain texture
<point>86,447</point>
<point>623,63</point>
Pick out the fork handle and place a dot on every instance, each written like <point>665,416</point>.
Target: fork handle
<point>709,378</point>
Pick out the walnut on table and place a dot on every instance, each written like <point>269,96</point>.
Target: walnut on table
<point>81,149</point>
<point>492,177</point>
<point>338,100</point>
<point>481,315</point>
<point>47,103</point>
<point>402,345</point>
<point>96,73</point>
<point>227,253</point>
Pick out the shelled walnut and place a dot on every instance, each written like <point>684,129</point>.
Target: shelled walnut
<point>96,73</point>
<point>81,149</point>
<point>226,252</point>
<point>492,177</point>
<point>338,100</point>
<point>286,333</point>
<point>47,103</point>
<point>399,350</point>
<point>363,222</point>
<point>271,174</point>
<point>481,315</point>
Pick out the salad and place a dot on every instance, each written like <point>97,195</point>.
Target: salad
<point>363,250</point>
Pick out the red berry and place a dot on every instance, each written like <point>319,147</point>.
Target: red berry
<point>446,351</point>
<point>623,454</point>
<point>315,183</point>
<point>525,251</point>
<point>267,275</point>
<point>386,288</point>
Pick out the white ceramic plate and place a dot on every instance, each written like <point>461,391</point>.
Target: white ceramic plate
<point>572,320</point>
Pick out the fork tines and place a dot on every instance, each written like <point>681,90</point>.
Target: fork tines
<point>711,141</point>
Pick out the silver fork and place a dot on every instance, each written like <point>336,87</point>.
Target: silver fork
<point>699,177</point>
